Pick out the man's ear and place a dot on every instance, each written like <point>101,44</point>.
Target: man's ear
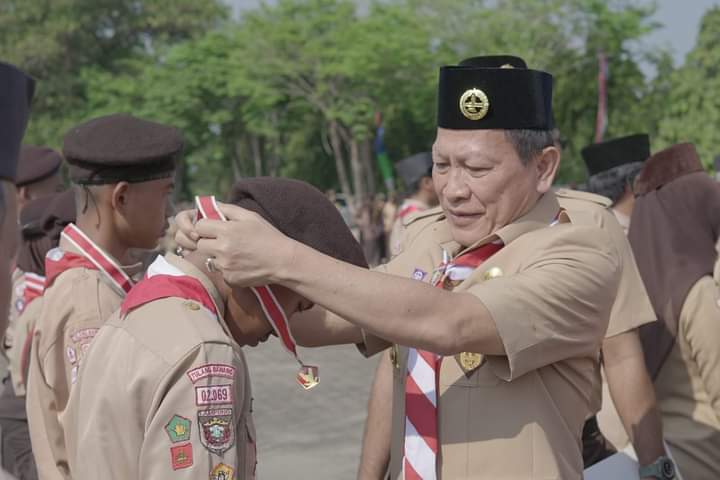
<point>24,193</point>
<point>546,167</point>
<point>119,196</point>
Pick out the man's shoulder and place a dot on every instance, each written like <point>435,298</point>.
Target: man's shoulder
<point>575,198</point>
<point>422,217</point>
<point>171,327</point>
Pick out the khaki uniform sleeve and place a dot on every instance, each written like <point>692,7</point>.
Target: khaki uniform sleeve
<point>19,352</point>
<point>701,328</point>
<point>200,424</point>
<point>557,307</point>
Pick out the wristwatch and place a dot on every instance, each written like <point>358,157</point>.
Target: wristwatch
<point>663,469</point>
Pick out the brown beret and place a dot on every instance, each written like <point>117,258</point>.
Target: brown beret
<point>665,166</point>
<point>16,92</point>
<point>301,212</point>
<point>43,220</point>
<point>36,164</point>
<point>121,147</point>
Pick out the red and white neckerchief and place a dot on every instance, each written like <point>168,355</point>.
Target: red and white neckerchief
<point>421,383</point>
<point>308,376</point>
<point>33,287</point>
<point>91,256</point>
<point>163,280</point>
<point>407,209</point>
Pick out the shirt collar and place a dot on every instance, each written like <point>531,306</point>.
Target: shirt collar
<point>192,271</point>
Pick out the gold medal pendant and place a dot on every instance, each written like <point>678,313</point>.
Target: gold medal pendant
<point>469,361</point>
<point>308,377</point>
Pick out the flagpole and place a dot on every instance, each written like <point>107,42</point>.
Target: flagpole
<point>601,119</point>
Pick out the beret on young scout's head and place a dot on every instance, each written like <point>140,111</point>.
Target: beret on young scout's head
<point>600,157</point>
<point>665,166</point>
<point>121,147</point>
<point>414,168</point>
<point>301,212</point>
<point>16,92</point>
<point>36,164</point>
<point>494,92</point>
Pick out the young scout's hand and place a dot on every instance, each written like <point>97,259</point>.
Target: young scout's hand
<point>186,236</point>
<point>246,249</point>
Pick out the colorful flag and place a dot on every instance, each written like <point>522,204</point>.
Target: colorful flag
<point>384,164</point>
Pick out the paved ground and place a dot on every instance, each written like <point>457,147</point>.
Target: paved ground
<point>313,435</point>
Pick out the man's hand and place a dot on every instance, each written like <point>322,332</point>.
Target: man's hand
<point>246,249</point>
<point>186,236</point>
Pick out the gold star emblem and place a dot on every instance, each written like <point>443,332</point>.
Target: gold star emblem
<point>474,104</point>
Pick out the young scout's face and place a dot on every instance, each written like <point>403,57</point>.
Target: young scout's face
<point>481,182</point>
<point>246,319</point>
<point>142,209</point>
<point>9,241</point>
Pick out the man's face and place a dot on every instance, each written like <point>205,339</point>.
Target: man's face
<point>246,318</point>
<point>482,184</point>
<point>9,242</point>
<point>144,212</point>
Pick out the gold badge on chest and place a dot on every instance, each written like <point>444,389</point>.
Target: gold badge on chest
<point>469,361</point>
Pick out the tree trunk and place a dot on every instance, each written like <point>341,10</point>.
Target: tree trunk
<point>357,172</point>
<point>257,154</point>
<point>367,160</point>
<point>336,145</point>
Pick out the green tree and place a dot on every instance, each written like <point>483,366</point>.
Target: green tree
<point>692,106</point>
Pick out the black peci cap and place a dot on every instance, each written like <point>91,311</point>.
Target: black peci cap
<point>121,147</point>
<point>16,92</point>
<point>475,98</point>
<point>413,169</point>
<point>36,164</point>
<point>600,157</point>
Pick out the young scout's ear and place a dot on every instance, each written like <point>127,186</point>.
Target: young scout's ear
<point>119,195</point>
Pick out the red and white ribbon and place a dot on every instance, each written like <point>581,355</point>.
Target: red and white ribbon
<point>97,257</point>
<point>33,287</point>
<point>308,376</point>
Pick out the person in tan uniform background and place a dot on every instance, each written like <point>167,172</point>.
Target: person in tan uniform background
<point>674,230</point>
<point>122,169</point>
<point>39,174</point>
<point>184,401</point>
<point>520,333</point>
<point>416,174</point>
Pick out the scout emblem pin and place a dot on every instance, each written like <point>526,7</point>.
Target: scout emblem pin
<point>308,376</point>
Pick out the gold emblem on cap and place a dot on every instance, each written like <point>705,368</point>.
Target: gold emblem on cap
<point>507,65</point>
<point>470,361</point>
<point>494,272</point>
<point>474,104</point>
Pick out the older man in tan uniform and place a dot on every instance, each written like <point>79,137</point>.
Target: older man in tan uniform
<point>512,339</point>
<point>122,168</point>
<point>184,406</point>
<point>674,230</point>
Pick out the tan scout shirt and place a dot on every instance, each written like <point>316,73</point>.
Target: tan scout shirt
<point>632,307</point>
<point>163,394</point>
<point>74,308</point>
<point>550,292</point>
<point>688,386</point>
<point>397,235</point>
<point>16,306</point>
<point>19,352</point>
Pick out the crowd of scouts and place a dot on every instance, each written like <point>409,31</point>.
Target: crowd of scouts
<point>526,331</point>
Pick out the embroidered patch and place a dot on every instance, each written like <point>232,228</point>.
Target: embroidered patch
<point>19,305</point>
<point>418,274</point>
<point>211,370</point>
<point>222,472</point>
<point>71,355</point>
<point>181,456</point>
<point>217,432</point>
<point>83,336</point>
<point>213,395</point>
<point>178,429</point>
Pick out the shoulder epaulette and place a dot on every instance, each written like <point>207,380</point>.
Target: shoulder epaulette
<point>425,214</point>
<point>586,196</point>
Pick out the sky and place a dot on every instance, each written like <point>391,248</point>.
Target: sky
<point>680,20</point>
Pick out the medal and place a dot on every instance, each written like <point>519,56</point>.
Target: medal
<point>470,361</point>
<point>308,377</point>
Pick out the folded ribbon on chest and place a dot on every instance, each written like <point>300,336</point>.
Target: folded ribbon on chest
<point>308,376</point>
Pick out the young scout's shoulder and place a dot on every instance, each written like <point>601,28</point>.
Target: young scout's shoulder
<point>172,327</point>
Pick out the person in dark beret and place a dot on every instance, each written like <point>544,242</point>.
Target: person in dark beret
<point>612,166</point>
<point>39,173</point>
<point>122,170</point>
<point>416,174</point>
<point>16,92</point>
<point>492,316</point>
<point>185,405</point>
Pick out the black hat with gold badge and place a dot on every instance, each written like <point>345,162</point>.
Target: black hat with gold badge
<point>494,92</point>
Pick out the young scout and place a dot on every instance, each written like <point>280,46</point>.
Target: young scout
<point>39,174</point>
<point>504,301</point>
<point>16,92</point>
<point>164,392</point>
<point>416,173</point>
<point>122,169</point>
<point>674,229</point>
